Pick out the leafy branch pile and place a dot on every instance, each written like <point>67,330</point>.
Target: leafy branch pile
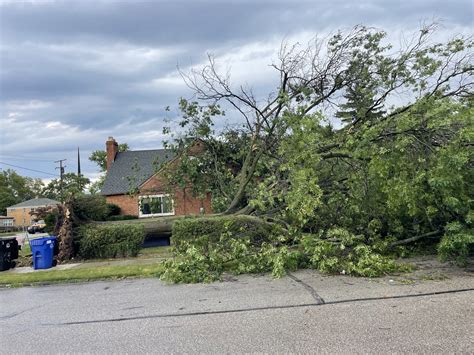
<point>339,251</point>
<point>206,247</point>
<point>457,244</point>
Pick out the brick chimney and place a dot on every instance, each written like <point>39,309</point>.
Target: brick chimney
<point>112,149</point>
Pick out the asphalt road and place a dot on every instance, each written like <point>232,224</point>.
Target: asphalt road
<point>305,312</point>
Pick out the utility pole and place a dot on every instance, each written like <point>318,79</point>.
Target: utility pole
<point>78,163</point>
<point>61,173</point>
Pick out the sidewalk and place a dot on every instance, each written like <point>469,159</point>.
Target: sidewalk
<point>87,265</point>
<point>21,237</point>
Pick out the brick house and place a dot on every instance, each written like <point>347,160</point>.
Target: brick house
<point>142,171</point>
<point>21,211</point>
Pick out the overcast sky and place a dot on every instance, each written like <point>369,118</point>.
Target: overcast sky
<point>73,73</point>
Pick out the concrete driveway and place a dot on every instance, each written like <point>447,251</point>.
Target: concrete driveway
<point>22,237</point>
<point>303,312</point>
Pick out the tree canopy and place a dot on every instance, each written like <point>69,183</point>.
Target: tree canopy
<point>72,184</point>
<point>15,188</point>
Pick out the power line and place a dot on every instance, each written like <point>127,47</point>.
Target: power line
<point>24,157</point>
<point>21,167</point>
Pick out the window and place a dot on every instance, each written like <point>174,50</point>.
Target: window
<point>156,205</point>
<point>7,222</point>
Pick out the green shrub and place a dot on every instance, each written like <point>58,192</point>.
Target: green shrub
<point>50,221</point>
<point>90,208</point>
<point>123,217</point>
<point>113,209</point>
<point>457,244</point>
<point>110,240</point>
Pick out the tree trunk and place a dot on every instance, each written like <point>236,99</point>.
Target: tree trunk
<point>152,226</point>
<point>65,236</point>
<point>163,225</point>
<point>247,174</point>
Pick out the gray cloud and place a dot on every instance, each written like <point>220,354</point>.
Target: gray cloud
<point>185,22</point>
<point>74,72</point>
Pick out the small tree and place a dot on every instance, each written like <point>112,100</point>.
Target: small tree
<point>100,156</point>
<point>71,185</point>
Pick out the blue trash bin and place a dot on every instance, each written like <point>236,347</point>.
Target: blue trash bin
<point>42,250</point>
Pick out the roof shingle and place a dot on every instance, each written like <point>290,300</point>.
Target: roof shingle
<point>36,202</point>
<point>130,169</point>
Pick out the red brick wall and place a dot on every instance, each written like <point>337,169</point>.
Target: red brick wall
<point>184,202</point>
<point>128,204</point>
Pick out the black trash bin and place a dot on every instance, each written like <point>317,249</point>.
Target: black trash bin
<point>8,252</point>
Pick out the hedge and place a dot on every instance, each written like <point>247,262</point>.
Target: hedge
<point>94,208</point>
<point>110,241</point>
<point>90,207</point>
<point>203,230</point>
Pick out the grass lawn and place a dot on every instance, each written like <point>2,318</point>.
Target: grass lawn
<point>90,270</point>
<point>80,274</point>
<point>25,250</point>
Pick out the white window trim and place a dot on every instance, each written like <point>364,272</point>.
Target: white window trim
<point>141,215</point>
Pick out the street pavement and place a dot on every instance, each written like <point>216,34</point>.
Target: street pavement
<point>304,312</point>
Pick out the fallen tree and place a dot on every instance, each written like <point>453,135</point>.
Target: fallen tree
<point>395,171</point>
<point>354,74</point>
<point>152,226</point>
<point>398,169</point>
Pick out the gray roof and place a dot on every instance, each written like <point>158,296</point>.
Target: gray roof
<point>132,168</point>
<point>36,202</point>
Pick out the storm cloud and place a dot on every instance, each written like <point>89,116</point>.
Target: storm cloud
<point>73,73</point>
